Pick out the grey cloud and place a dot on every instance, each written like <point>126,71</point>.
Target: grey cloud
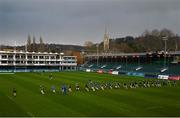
<point>76,21</point>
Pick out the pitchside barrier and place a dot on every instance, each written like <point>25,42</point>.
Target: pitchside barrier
<point>163,77</point>
<point>174,78</point>
<point>100,71</point>
<point>151,76</point>
<point>115,72</point>
<point>122,73</point>
<point>168,77</point>
<point>110,71</point>
<point>139,74</point>
<point>6,71</point>
<point>88,70</point>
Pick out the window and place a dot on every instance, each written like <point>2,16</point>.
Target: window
<point>65,57</point>
<point>17,62</point>
<point>23,56</point>
<point>17,56</point>
<point>22,62</point>
<point>4,62</point>
<point>10,56</point>
<point>4,56</point>
<point>35,62</point>
<point>41,62</point>
<point>46,57</point>
<point>57,57</point>
<point>29,62</point>
<point>10,62</point>
<point>29,57</point>
<point>52,62</point>
<point>52,57</point>
<point>35,57</point>
<point>41,57</point>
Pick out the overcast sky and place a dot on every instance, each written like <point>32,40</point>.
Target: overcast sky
<point>77,21</point>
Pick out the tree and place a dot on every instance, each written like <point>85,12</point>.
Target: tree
<point>145,33</point>
<point>167,32</point>
<point>29,43</point>
<point>41,45</point>
<point>155,32</point>
<point>149,40</point>
<point>88,44</point>
<point>34,44</point>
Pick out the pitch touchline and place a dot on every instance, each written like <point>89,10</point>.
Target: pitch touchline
<point>6,73</point>
<point>30,114</point>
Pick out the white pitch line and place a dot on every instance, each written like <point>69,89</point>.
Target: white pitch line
<point>154,107</point>
<point>29,113</point>
<point>7,73</point>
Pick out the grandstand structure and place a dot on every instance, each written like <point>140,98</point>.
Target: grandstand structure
<point>146,62</point>
<point>21,61</point>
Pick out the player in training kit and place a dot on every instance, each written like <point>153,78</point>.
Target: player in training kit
<point>86,88</point>
<point>174,83</point>
<point>125,86</point>
<point>42,89</point>
<point>51,76</point>
<point>77,87</point>
<point>64,89</point>
<point>69,88</point>
<point>14,92</point>
<point>53,88</point>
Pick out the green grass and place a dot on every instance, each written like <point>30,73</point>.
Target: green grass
<point>163,101</point>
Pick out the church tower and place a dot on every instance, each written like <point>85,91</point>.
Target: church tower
<point>106,41</point>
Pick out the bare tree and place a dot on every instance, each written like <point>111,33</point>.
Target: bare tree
<point>29,43</point>
<point>41,45</point>
<point>88,44</point>
<point>155,32</point>
<point>34,44</point>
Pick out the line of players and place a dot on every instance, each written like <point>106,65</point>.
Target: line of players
<point>95,86</point>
